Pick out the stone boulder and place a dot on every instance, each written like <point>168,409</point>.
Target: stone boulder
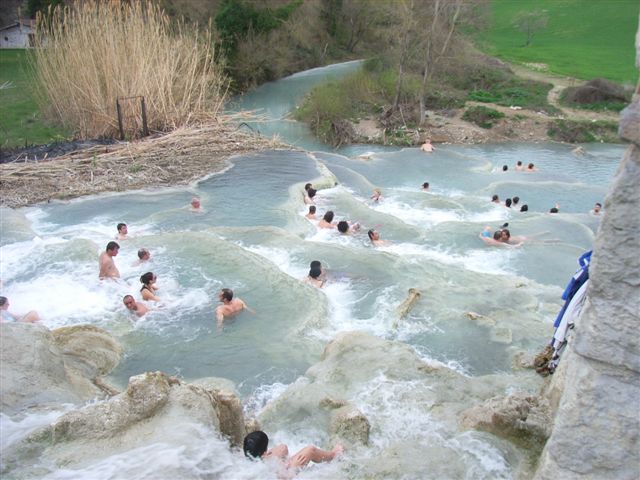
<point>153,409</point>
<point>515,417</point>
<point>349,424</point>
<point>37,370</point>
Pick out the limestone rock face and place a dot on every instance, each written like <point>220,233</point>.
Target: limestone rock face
<point>597,425</point>
<point>348,423</point>
<point>36,370</point>
<point>514,416</point>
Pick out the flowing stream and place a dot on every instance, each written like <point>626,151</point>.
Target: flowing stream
<point>253,237</point>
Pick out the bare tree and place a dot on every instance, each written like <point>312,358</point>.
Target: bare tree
<point>444,20</point>
<point>530,23</point>
<point>408,22</point>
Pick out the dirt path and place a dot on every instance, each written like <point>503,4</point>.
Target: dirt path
<point>559,83</point>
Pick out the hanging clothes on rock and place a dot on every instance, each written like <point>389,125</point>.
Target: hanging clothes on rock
<point>574,296</point>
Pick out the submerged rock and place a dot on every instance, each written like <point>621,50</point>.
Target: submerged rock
<point>39,367</point>
<point>348,423</point>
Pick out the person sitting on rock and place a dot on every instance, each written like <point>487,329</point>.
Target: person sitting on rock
<point>7,316</point>
<point>256,443</point>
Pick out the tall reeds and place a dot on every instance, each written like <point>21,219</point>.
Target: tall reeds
<point>89,54</point>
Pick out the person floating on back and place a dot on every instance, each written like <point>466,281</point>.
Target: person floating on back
<point>230,306</point>
<point>255,446</point>
<point>107,265</point>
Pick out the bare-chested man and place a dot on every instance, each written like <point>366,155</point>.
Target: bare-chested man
<point>195,205</point>
<point>107,265</point>
<point>327,220</point>
<point>139,308</point>
<point>123,231</point>
<point>230,306</point>
<point>427,147</point>
<point>374,236</point>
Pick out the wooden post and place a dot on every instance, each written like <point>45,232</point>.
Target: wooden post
<point>120,126</point>
<point>145,128</point>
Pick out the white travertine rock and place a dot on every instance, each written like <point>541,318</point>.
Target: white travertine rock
<point>597,426</point>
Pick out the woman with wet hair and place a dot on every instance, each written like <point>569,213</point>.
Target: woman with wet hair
<point>148,290</point>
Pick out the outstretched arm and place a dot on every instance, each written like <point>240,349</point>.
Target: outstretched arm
<point>246,307</point>
<point>313,454</point>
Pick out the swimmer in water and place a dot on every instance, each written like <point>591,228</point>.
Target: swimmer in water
<point>347,228</point>
<point>374,236</point>
<point>427,147</point>
<point>7,316</point>
<point>531,168</point>
<point>196,205</point>
<point>148,290</point>
<point>230,306</point>
<point>597,208</point>
<point>107,265</point>
<point>256,443</point>
<point>308,198</point>
<point>139,308</point>
<point>519,166</point>
<point>123,231</point>
<point>312,212</point>
<point>315,277</point>
<point>496,240</point>
<point>327,220</point>
<point>495,199</point>
<point>377,195</point>
<point>144,255</point>
<point>425,186</point>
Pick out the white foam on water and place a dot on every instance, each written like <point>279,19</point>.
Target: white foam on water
<point>421,217</point>
<point>483,459</point>
<point>190,451</point>
<point>14,429</point>
<point>487,260</point>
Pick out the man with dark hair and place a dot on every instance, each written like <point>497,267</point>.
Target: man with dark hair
<point>516,200</point>
<point>505,168</point>
<point>519,166</point>
<point>107,265</point>
<point>327,220</point>
<point>495,199</point>
<point>256,443</point>
<point>507,203</point>
<point>312,213</point>
<point>425,186</point>
<point>596,209</point>
<point>230,306</point>
<point>122,231</point>
<point>374,236</point>
<point>144,255</point>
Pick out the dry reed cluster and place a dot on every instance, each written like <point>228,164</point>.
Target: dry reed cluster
<point>94,52</point>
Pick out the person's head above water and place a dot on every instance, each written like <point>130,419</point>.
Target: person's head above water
<point>343,226</point>
<point>129,302</point>
<point>497,235</point>
<point>597,207</point>
<point>554,210</point>
<point>328,216</point>
<point>515,200</point>
<point>315,264</point>
<point>144,254</point>
<point>524,208</point>
<point>195,203</point>
<point>311,192</point>
<point>495,199</point>
<point>255,444</point>
<point>307,186</point>
<point>505,168</point>
<point>3,301</point>
<point>425,186</point>
<point>147,278</point>
<point>531,166</point>
<point>315,272</point>
<point>507,203</point>
<point>226,294</point>
<point>519,163</point>
<point>112,247</point>
<point>122,228</point>
<point>312,209</point>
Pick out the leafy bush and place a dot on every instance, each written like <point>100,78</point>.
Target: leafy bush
<point>483,96</point>
<point>573,131</point>
<point>482,116</point>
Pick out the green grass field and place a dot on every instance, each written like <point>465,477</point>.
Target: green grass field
<point>20,120</point>
<point>583,38</point>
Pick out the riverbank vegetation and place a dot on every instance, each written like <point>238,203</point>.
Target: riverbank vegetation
<point>95,53</point>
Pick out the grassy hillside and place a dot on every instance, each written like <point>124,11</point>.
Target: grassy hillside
<point>20,120</point>
<point>583,38</point>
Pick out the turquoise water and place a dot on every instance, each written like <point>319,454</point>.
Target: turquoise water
<point>252,237</point>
